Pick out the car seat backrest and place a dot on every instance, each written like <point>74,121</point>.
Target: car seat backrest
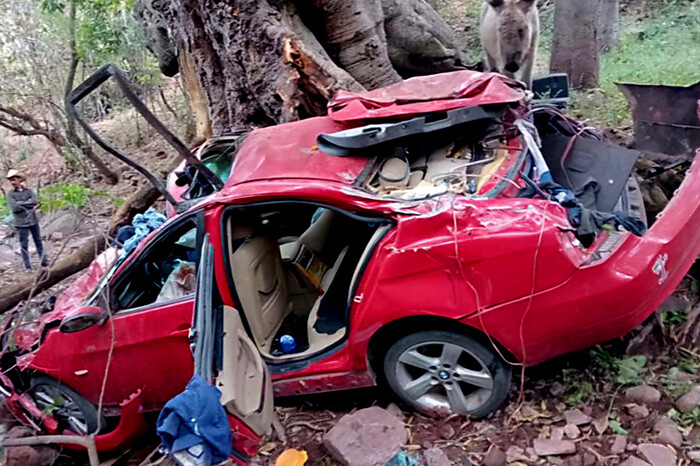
<point>261,287</point>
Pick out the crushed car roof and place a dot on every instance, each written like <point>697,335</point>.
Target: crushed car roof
<point>289,151</point>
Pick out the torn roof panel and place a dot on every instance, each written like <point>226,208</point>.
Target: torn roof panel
<point>426,94</point>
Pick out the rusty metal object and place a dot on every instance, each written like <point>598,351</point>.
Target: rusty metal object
<point>665,118</point>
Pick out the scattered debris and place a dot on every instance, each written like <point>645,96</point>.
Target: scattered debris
<point>292,457</point>
<point>436,457</point>
<point>572,431</point>
<point>576,417</point>
<point>549,447</point>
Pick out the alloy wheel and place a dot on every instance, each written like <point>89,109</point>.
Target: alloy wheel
<point>51,399</point>
<point>438,376</point>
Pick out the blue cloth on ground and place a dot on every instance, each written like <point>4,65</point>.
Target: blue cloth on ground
<point>194,417</point>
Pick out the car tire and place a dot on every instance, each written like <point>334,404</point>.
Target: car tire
<point>440,373</point>
<point>71,410</point>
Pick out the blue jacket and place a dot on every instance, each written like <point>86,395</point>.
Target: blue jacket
<point>196,417</point>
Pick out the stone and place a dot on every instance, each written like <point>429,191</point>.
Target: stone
<point>643,394</point>
<point>436,457</point>
<point>395,410</point>
<point>368,437</point>
<point>549,447</point>
<point>557,433</point>
<point>57,236</point>
<point>515,453</point>
<point>668,432</point>
<point>638,411</point>
<point>19,432</point>
<point>690,400</point>
<point>634,461</point>
<point>446,431</point>
<point>619,445</point>
<point>495,457</point>
<point>30,456</point>
<point>694,455</point>
<point>574,460</point>
<point>576,417</point>
<point>600,425</point>
<point>658,455</point>
<point>528,412</point>
<point>572,431</point>
<point>557,389</point>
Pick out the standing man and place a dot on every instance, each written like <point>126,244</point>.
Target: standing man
<point>24,204</point>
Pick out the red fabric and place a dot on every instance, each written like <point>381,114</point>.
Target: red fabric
<point>425,94</point>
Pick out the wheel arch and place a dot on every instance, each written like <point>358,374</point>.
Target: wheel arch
<point>390,333</point>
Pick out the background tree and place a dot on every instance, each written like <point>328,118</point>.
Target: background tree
<point>261,62</point>
<point>44,46</point>
<point>608,24</point>
<point>575,44</point>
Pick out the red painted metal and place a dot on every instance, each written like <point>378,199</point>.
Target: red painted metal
<point>507,267</point>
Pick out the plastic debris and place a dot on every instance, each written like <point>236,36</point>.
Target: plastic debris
<point>292,457</point>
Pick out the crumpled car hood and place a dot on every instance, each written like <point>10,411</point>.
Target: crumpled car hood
<point>69,302</point>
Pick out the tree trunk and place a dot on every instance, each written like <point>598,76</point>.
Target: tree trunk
<point>71,133</point>
<point>608,23</point>
<point>196,97</point>
<point>262,62</point>
<point>575,47</point>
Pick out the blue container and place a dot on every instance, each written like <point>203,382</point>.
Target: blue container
<point>287,344</point>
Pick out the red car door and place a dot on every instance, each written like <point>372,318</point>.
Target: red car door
<point>151,303</point>
<point>227,358</point>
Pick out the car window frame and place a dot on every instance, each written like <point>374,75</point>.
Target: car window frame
<point>198,220</point>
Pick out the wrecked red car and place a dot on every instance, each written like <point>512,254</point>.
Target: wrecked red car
<point>427,236</point>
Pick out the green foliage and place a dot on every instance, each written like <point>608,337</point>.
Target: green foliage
<point>629,370</point>
<point>625,371</point>
<point>673,385</point>
<point>577,386</point>
<point>660,50</point>
<point>674,317</point>
<point>689,365</point>
<point>4,208</point>
<point>617,428</point>
<point>685,419</point>
<point>62,195</point>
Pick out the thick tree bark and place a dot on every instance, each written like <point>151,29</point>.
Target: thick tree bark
<point>575,46</point>
<point>271,61</point>
<point>196,97</point>
<point>71,133</point>
<point>608,24</point>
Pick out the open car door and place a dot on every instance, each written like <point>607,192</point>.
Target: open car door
<point>226,357</point>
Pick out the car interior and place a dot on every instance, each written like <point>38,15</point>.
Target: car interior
<point>167,271</point>
<point>292,267</point>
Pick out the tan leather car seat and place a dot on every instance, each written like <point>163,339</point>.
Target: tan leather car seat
<point>260,284</point>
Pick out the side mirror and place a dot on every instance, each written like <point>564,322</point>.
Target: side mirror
<point>78,322</point>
